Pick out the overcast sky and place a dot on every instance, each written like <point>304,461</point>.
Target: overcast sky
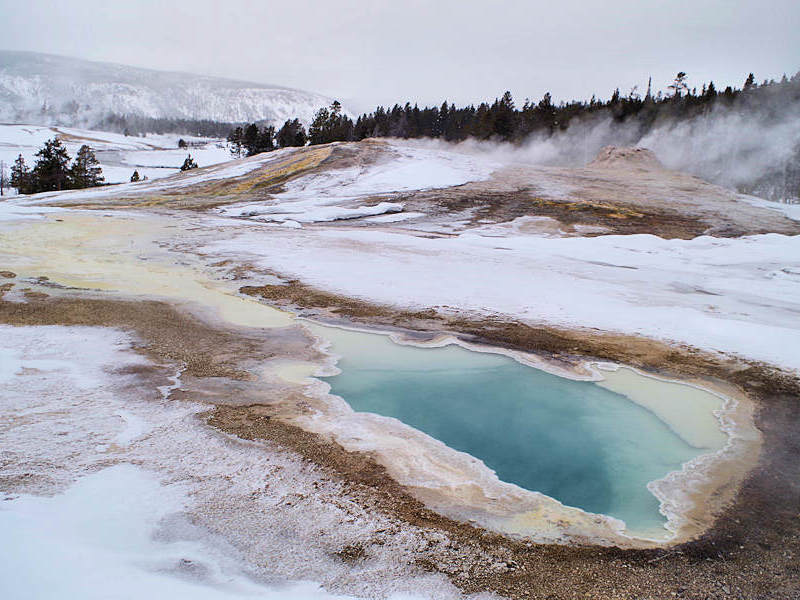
<point>373,51</point>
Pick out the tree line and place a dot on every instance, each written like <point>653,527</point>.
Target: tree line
<point>503,120</point>
<point>137,125</point>
<point>53,171</point>
<point>252,139</point>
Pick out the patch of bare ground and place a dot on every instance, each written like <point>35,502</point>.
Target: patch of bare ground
<point>164,332</point>
<point>257,185</point>
<point>752,550</point>
<point>624,191</point>
<point>604,217</point>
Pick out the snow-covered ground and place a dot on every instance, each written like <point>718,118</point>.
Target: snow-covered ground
<point>181,179</point>
<point>154,156</point>
<point>99,539</point>
<point>729,295</point>
<point>112,491</point>
<point>790,210</point>
<point>737,295</point>
<point>337,194</point>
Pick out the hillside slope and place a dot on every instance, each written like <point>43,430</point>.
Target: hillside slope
<point>50,89</point>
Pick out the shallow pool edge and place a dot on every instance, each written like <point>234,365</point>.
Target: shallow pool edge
<point>689,498</point>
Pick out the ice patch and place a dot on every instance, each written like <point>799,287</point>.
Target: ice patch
<point>301,212</point>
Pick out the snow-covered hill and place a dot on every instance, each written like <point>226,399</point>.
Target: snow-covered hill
<point>49,89</point>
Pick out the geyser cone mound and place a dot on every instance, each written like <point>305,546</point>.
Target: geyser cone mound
<point>615,157</point>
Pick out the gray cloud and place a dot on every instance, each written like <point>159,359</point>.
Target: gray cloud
<point>376,51</point>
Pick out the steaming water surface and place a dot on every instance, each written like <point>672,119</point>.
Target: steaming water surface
<point>576,441</point>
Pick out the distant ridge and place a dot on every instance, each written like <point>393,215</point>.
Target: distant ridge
<point>51,89</point>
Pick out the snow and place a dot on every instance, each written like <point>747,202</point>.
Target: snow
<point>99,539</point>
<point>400,166</point>
<point>729,295</point>
<point>112,490</point>
<point>178,179</point>
<point>154,156</point>
<point>308,212</point>
<point>77,92</point>
<point>12,210</point>
<point>408,166</point>
<point>790,210</point>
<point>395,218</point>
<point>10,364</point>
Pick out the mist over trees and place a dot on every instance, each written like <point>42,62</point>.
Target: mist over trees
<point>503,120</point>
<point>136,125</point>
<point>751,135</point>
<point>746,138</point>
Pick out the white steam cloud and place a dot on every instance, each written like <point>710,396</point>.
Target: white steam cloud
<point>733,148</point>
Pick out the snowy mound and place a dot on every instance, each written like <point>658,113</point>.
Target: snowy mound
<point>48,89</point>
<point>615,157</point>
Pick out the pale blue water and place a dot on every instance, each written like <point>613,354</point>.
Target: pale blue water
<point>584,445</point>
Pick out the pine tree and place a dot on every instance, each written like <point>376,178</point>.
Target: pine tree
<point>188,164</point>
<point>503,117</point>
<point>51,172</point>
<point>547,112</point>
<point>235,139</point>
<point>318,130</point>
<point>85,171</point>
<point>21,176</point>
<point>330,125</point>
<point>750,82</point>
<point>250,139</point>
<point>292,134</point>
<point>266,140</point>
<point>678,85</point>
<point>135,177</point>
